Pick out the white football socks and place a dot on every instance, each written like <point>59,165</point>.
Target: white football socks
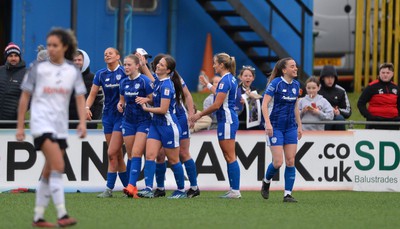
<point>57,192</point>
<point>42,198</point>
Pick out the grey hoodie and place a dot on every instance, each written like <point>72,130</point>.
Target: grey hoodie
<point>326,112</point>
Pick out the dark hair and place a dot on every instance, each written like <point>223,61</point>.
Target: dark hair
<point>228,62</point>
<point>134,58</point>
<point>313,79</point>
<point>176,79</point>
<point>78,53</point>
<point>156,60</point>
<point>387,65</point>
<point>279,66</point>
<point>68,39</point>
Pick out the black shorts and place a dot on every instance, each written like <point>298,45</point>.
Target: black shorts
<point>38,142</point>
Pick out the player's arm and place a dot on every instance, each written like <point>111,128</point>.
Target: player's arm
<point>22,108</point>
<point>163,109</point>
<point>189,101</point>
<point>121,103</point>
<point>80,105</point>
<point>90,100</point>
<point>298,120</point>
<point>268,127</point>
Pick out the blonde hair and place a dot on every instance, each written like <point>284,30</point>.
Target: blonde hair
<point>228,62</point>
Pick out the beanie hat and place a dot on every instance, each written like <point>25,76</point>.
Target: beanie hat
<point>12,48</point>
<point>328,70</point>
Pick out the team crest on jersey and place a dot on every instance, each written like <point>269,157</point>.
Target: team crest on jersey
<point>274,139</point>
<point>118,77</point>
<point>394,90</point>
<point>166,91</point>
<point>221,85</point>
<point>294,90</point>
<point>137,86</point>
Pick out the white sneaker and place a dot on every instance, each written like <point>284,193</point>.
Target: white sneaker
<point>231,195</point>
<point>106,194</point>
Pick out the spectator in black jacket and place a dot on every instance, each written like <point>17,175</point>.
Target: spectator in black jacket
<point>382,96</point>
<point>82,61</point>
<point>11,76</point>
<point>336,96</point>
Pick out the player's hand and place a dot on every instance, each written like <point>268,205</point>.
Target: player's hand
<point>120,107</point>
<point>269,130</point>
<point>203,80</point>
<point>195,117</point>
<point>20,135</point>
<point>191,124</point>
<point>299,132</point>
<point>81,130</point>
<point>142,100</point>
<point>145,108</point>
<point>88,114</point>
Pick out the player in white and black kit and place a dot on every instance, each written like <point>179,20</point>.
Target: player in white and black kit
<point>50,83</point>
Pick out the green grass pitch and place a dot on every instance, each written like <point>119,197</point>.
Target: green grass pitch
<point>315,209</point>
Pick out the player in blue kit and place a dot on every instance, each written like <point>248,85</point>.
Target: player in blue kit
<point>282,124</point>
<point>182,114</point>
<point>164,129</point>
<point>136,121</point>
<point>224,103</point>
<point>109,79</point>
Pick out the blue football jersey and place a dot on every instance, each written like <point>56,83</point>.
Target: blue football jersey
<point>284,96</point>
<point>164,89</point>
<point>226,113</point>
<point>109,81</point>
<point>140,86</point>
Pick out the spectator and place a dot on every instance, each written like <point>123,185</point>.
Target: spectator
<point>82,61</point>
<point>314,107</point>
<point>203,123</point>
<point>336,96</point>
<point>382,98</point>
<point>246,77</point>
<point>42,53</point>
<point>11,76</point>
<point>210,100</point>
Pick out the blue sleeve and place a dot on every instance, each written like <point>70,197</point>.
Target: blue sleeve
<point>223,85</point>
<point>96,79</point>
<point>121,87</point>
<point>166,91</point>
<point>147,86</point>
<point>271,88</point>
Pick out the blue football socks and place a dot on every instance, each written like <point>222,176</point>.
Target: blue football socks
<point>234,175</point>
<point>191,171</point>
<point>290,175</point>
<point>161,168</point>
<point>149,170</point>
<point>111,178</point>
<point>136,164</point>
<point>179,176</point>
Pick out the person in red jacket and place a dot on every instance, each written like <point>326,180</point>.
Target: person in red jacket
<point>382,96</point>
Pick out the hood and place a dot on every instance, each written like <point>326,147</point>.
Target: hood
<point>328,70</point>
<point>86,60</point>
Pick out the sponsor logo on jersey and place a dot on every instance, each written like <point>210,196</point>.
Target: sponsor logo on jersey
<point>131,93</point>
<point>112,85</point>
<point>137,86</point>
<point>288,98</point>
<point>55,90</point>
<point>118,77</point>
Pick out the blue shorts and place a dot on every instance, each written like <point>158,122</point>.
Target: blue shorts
<point>183,122</point>
<point>227,131</point>
<point>283,137</point>
<point>130,129</point>
<point>167,135</point>
<point>112,123</point>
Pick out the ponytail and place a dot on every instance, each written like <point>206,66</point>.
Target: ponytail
<point>175,78</point>
<point>279,66</point>
<point>229,62</point>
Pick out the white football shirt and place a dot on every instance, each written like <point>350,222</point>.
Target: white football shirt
<point>51,86</point>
